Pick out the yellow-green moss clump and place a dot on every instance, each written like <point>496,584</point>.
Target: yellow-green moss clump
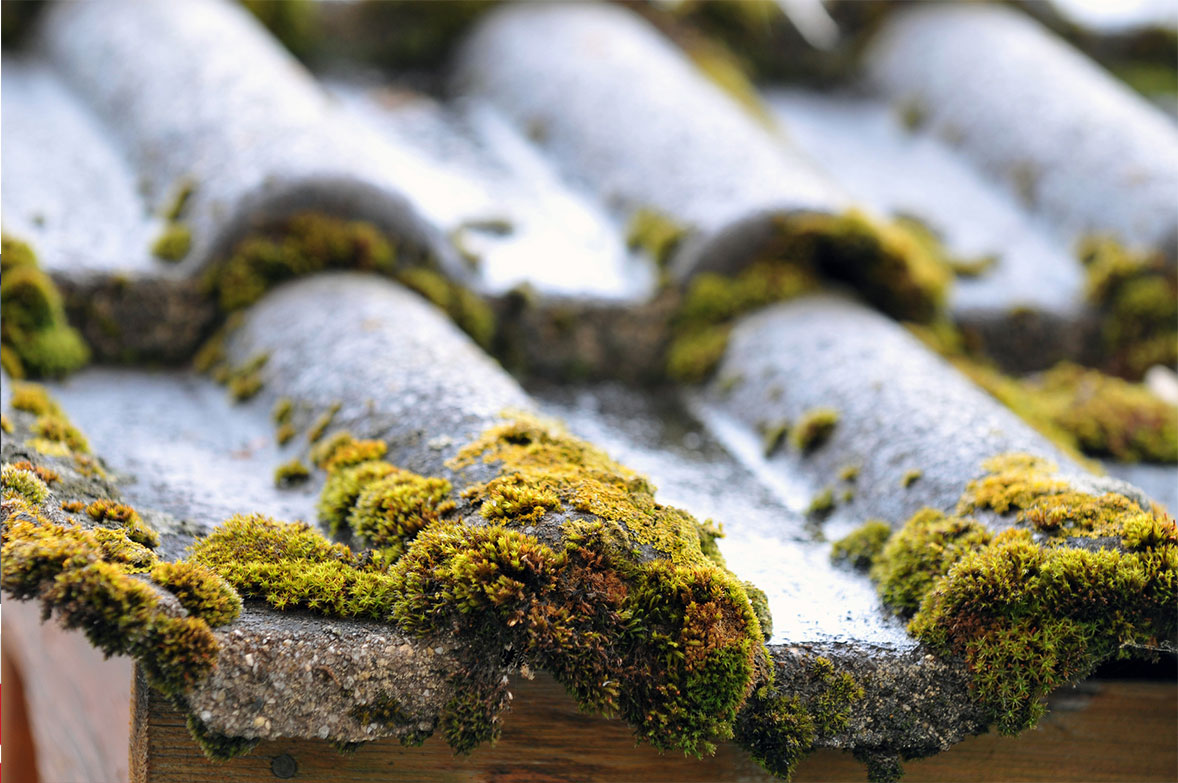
<point>655,234</point>
<point>910,477</point>
<point>301,245</point>
<point>1137,294</point>
<point>35,336</point>
<point>614,594</point>
<point>201,592</point>
<point>779,728</point>
<point>1082,410</point>
<point>319,427</point>
<point>23,483</point>
<point>52,433</point>
<point>821,505</point>
<point>814,429</point>
<point>712,301</point>
<point>126,517</point>
<point>861,546</point>
<point>1078,579</point>
<point>173,243</point>
<point>772,436</point>
<point>290,473</point>
<point>309,242</point>
<point>87,577</point>
<point>889,265</point>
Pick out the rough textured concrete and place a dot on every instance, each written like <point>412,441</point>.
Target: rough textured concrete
<point>1082,148</point>
<point>900,409</point>
<point>1027,309</point>
<point>569,118</point>
<point>397,367</point>
<point>915,703</point>
<point>254,141</point>
<point>277,673</point>
<point>627,114</point>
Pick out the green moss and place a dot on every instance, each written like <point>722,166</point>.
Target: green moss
<point>933,244</point>
<point>284,434</point>
<point>710,532</point>
<point>972,267</point>
<point>922,552</point>
<point>692,357</point>
<point>175,208</point>
<point>6,424</point>
<point>353,452</point>
<point>33,398</point>
<point>53,435</point>
<point>34,332</point>
<point>125,517</point>
<point>290,565</point>
<point>655,234</point>
<point>1108,417</point>
<point>1137,295</point>
<point>43,472</point>
<point>301,245</point>
<point>200,591</point>
<point>910,477</point>
<point>1027,608</point>
<point>56,428</point>
<point>217,746</point>
<point>472,717</point>
<point>319,426</point>
<point>760,604</point>
<point>391,510</point>
<point>821,505</point>
<point>890,265</point>
<point>343,488</point>
<point>703,319</point>
<point>779,727</point>
<point>325,448</point>
<point>772,436</point>
<point>538,454</point>
<point>23,483</point>
<point>668,640</point>
<point>728,73</point>
<point>514,498</point>
<point>245,381</point>
<point>173,243</point>
<point>65,568</point>
<point>685,653</point>
<point>310,242</point>
<point>117,547</point>
<point>860,547</point>
<point>893,268</point>
<point>290,473</point>
<point>849,473</point>
<point>282,411</point>
<point>814,429</point>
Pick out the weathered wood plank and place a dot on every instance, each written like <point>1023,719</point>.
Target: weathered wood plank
<point>1104,730</point>
<point>1109,731</point>
<point>76,700</point>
